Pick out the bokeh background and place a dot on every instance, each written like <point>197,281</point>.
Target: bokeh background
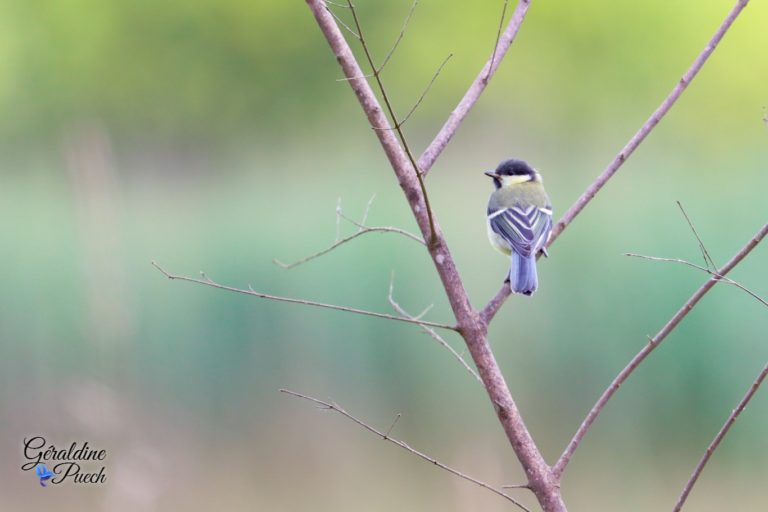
<point>214,136</point>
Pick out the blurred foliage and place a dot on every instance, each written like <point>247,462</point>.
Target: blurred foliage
<point>219,69</point>
<point>213,135</point>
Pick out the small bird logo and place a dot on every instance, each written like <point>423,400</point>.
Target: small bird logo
<point>43,473</point>
<point>519,218</point>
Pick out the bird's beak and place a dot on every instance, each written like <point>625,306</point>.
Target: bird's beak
<point>491,174</point>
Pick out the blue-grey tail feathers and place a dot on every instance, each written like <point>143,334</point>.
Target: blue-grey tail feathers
<point>522,274</point>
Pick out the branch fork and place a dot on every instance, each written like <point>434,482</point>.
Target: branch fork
<point>543,480</point>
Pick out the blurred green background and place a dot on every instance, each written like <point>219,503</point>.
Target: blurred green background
<point>214,136</point>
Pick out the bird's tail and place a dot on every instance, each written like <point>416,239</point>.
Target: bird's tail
<point>522,274</point>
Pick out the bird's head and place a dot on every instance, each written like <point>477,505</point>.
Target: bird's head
<point>512,172</point>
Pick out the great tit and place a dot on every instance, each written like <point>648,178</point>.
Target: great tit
<point>519,220</point>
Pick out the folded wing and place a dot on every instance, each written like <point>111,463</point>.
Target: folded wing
<point>525,229</point>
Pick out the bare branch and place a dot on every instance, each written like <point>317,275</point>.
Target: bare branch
<point>378,229</point>
<point>361,230</point>
<point>498,35</point>
<point>402,444</point>
<point>399,37</point>
<point>361,227</point>
<point>394,422</point>
<point>338,220</point>
<point>348,78</point>
<point>250,291</point>
<point>724,279</point>
<point>397,307</point>
<point>367,210</point>
<point>341,22</point>
<point>328,2</point>
<point>718,438</point>
<point>438,144</point>
<point>649,347</point>
<point>426,90</point>
<point>704,253</point>
<point>649,125</point>
<point>398,129</point>
<point>495,304</point>
<point>516,486</point>
<point>472,329</point>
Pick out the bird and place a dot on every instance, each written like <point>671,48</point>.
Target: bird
<point>43,473</point>
<point>519,221</point>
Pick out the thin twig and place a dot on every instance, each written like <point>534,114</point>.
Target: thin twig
<point>649,347</point>
<point>360,77</point>
<point>446,133</point>
<point>341,22</point>
<point>426,90</point>
<point>718,438</point>
<point>398,129</point>
<point>495,304</point>
<point>713,273</point>
<point>250,291</point>
<point>328,2</point>
<point>498,35</point>
<point>439,339</point>
<point>399,37</point>
<point>338,220</point>
<point>649,125</point>
<point>516,486</point>
<point>378,229</point>
<point>402,444</point>
<point>367,209</point>
<point>392,426</point>
<point>423,312</point>
<point>704,253</point>
<point>362,229</point>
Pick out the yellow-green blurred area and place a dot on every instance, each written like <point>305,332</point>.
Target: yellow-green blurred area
<point>215,136</point>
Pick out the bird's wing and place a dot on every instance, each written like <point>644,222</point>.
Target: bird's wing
<point>526,229</point>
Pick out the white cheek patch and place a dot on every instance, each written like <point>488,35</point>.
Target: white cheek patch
<point>515,179</point>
